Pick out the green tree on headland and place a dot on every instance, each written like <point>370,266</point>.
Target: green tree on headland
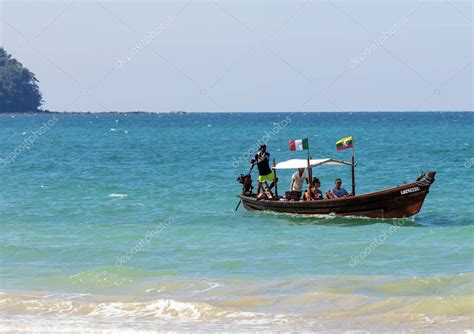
<point>19,90</point>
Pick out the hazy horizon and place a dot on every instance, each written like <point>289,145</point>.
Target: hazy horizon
<point>239,56</point>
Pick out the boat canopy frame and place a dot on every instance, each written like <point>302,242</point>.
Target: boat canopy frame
<point>310,164</point>
<point>303,163</point>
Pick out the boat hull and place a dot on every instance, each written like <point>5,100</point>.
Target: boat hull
<point>397,202</point>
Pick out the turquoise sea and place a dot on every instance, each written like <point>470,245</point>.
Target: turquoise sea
<point>126,223</point>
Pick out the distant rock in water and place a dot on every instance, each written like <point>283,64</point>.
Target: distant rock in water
<point>179,112</point>
<point>19,91</point>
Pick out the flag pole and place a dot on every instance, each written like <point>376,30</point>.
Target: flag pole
<point>353,169</point>
<point>275,179</point>
<point>310,171</point>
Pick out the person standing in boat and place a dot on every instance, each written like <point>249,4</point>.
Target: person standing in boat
<point>265,173</point>
<point>297,181</point>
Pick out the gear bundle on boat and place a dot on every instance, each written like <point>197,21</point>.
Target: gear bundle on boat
<point>397,202</point>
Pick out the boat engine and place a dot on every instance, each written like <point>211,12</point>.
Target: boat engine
<point>246,181</point>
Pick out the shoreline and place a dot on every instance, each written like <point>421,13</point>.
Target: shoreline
<point>368,303</point>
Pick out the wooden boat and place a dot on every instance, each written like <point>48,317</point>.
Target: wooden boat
<point>398,202</point>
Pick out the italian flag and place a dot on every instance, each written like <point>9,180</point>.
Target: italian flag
<point>344,143</point>
<point>299,144</point>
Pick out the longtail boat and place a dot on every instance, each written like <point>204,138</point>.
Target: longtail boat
<point>397,202</point>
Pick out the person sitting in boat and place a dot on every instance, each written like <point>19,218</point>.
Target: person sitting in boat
<point>338,191</point>
<point>314,192</point>
<point>265,173</point>
<point>297,181</point>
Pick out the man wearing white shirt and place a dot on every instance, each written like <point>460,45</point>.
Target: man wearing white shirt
<point>297,181</point>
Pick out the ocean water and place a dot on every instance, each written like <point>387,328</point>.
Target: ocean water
<point>126,223</point>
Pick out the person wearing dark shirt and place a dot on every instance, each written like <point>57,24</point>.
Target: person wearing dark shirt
<point>338,191</point>
<point>262,160</point>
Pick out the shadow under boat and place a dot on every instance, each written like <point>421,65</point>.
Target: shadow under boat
<point>346,221</point>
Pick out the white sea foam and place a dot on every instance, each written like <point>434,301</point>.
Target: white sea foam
<point>118,195</point>
<point>131,317</point>
<point>375,304</point>
<point>165,309</point>
<point>209,288</point>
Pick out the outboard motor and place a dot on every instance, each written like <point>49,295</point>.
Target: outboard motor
<point>246,181</point>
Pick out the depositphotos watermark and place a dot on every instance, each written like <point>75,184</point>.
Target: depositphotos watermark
<point>144,242</point>
<point>379,41</point>
<point>145,41</point>
<point>376,242</point>
<point>245,157</point>
<point>27,143</point>
<point>469,162</point>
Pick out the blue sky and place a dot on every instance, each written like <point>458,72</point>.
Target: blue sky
<point>230,56</point>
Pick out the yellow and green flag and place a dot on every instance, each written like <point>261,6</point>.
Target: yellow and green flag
<point>344,143</point>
